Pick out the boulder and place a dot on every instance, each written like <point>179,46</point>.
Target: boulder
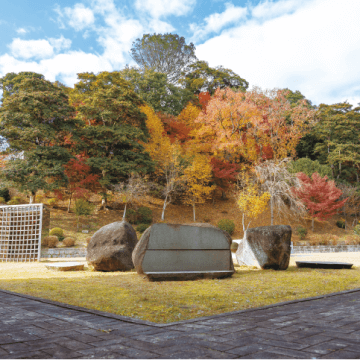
<point>183,252</point>
<point>110,248</point>
<point>266,247</point>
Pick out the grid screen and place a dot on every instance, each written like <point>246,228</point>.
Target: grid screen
<point>20,232</point>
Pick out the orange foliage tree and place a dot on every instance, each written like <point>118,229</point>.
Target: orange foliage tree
<point>256,125</point>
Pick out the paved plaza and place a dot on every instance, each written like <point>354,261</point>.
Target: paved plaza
<point>321,327</point>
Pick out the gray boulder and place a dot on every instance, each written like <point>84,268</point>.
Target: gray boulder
<point>183,252</point>
<point>266,247</point>
<point>110,248</point>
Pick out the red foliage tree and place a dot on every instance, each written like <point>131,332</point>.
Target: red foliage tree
<point>204,98</point>
<point>81,181</point>
<point>319,196</point>
<point>223,174</point>
<point>174,129</point>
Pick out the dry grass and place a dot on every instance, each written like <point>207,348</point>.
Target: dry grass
<point>129,294</point>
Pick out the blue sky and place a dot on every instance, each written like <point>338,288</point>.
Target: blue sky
<point>307,45</point>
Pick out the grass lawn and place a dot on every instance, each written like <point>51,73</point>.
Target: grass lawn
<point>129,294</point>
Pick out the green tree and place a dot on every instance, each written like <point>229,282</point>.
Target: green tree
<point>309,167</point>
<point>200,77</point>
<point>9,83</point>
<point>36,119</point>
<point>154,88</point>
<point>113,127</point>
<point>339,128</point>
<point>295,97</point>
<point>165,53</point>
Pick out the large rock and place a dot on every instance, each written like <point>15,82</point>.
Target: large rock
<point>184,252</point>
<point>110,248</point>
<point>266,247</point>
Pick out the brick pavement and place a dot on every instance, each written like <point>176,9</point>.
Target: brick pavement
<point>322,327</point>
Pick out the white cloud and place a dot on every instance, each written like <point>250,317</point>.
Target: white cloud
<point>27,49</point>
<point>79,17</point>
<point>159,27</point>
<point>268,9</point>
<point>60,43</point>
<point>21,31</point>
<point>161,8</point>
<point>215,22</point>
<point>313,47</point>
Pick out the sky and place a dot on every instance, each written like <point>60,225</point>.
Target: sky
<point>308,45</point>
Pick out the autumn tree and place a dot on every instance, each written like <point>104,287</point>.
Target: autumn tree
<point>198,177</point>
<point>224,174</point>
<point>250,200</point>
<point>318,195</point>
<point>154,88</point>
<point>80,180</point>
<point>248,124</point>
<point>200,77</point>
<point>133,189</point>
<point>275,179</point>
<point>36,119</point>
<point>114,127</point>
<point>165,53</point>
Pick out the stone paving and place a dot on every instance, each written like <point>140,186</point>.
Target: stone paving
<point>322,327</point>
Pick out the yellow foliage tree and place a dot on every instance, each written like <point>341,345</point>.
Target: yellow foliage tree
<point>250,202</point>
<point>189,114</point>
<point>197,177</point>
<point>159,144</point>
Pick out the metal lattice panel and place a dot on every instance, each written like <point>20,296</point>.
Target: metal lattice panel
<point>20,232</point>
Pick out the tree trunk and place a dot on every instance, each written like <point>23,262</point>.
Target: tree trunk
<point>194,211</point>
<point>32,197</point>
<point>124,215</point>
<point>312,224</point>
<point>163,210</point>
<point>272,210</point>
<point>243,222</point>
<point>68,210</point>
<point>223,195</point>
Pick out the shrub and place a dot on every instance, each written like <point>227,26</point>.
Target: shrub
<point>357,230</point>
<point>2,200</point>
<point>141,228</point>
<point>234,246</point>
<point>5,193</point>
<point>57,232</point>
<point>69,241</point>
<point>340,224</point>
<point>50,241</point>
<point>144,215</point>
<point>302,232</point>
<point>226,225</point>
<point>16,200</point>
<point>131,216</point>
<point>52,201</point>
<point>83,207</point>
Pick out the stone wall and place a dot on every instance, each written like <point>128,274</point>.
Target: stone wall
<point>325,248</point>
<point>63,253</point>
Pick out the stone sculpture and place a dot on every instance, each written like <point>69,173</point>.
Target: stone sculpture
<point>266,247</point>
<point>184,252</point>
<point>110,248</point>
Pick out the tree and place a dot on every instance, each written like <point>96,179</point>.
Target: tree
<point>339,128</point>
<point>9,84</point>
<point>165,53</point>
<point>224,173</point>
<point>319,196</point>
<point>114,127</point>
<point>296,97</point>
<point>135,188</point>
<point>253,126</point>
<point>275,179</point>
<point>155,90</point>
<point>197,177</point>
<point>36,118</point>
<point>80,180</point>
<point>166,155</point>
<point>250,201</point>
<point>352,193</point>
<point>200,77</point>
<point>308,167</point>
